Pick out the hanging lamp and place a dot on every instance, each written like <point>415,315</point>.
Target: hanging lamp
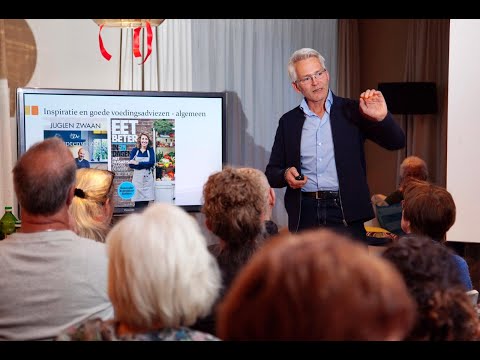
<point>138,25</point>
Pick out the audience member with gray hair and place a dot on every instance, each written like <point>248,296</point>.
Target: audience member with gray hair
<point>412,167</point>
<point>161,279</point>
<point>51,277</point>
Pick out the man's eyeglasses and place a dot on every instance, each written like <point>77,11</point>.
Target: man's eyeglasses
<point>309,78</point>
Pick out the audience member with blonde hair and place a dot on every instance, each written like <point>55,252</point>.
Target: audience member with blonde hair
<point>444,311</point>
<point>161,278</point>
<point>92,206</point>
<point>316,285</point>
<point>51,277</point>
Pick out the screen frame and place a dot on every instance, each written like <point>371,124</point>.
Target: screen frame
<point>21,116</point>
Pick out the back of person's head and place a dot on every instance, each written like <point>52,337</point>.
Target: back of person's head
<point>234,207</point>
<point>428,209</point>
<point>421,260</point>
<point>160,271</point>
<point>302,54</point>
<point>92,206</point>
<point>431,275</point>
<point>262,181</point>
<point>448,315</point>
<point>316,285</point>
<point>43,177</point>
<point>413,167</point>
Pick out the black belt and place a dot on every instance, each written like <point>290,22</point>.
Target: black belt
<point>321,195</point>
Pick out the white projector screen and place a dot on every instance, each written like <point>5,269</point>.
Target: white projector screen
<point>463,145</point>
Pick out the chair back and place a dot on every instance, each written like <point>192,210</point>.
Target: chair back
<point>390,218</point>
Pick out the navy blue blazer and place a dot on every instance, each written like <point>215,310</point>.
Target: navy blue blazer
<point>349,131</point>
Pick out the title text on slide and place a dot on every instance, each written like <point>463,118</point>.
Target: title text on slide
<point>126,112</point>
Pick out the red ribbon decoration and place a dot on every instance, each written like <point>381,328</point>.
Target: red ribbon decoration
<point>136,41</point>
<point>149,41</point>
<point>104,52</point>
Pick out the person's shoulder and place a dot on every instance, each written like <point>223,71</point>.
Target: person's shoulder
<point>90,243</point>
<point>292,114</point>
<point>461,262</point>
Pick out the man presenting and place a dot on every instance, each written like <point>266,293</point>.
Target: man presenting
<point>323,140</point>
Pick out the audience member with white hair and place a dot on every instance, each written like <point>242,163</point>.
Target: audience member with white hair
<point>161,278</point>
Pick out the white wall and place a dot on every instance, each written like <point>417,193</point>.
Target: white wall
<point>463,145</point>
<point>68,54</point>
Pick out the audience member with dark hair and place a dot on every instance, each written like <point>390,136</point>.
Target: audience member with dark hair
<point>92,205</point>
<point>161,278</point>
<point>444,310</point>
<point>429,210</point>
<point>51,277</point>
<point>338,292</point>
<point>235,207</point>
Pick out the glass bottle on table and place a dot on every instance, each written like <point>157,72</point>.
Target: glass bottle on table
<point>7,222</point>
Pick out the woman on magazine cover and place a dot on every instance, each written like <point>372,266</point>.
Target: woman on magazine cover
<point>142,161</point>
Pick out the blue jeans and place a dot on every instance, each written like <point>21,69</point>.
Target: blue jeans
<point>328,213</point>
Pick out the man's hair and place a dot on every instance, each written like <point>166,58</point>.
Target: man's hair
<point>429,208</point>
<point>160,270</point>
<point>302,54</point>
<point>316,285</point>
<point>432,277</point>
<point>43,176</point>
<point>88,211</point>
<point>234,206</point>
<point>413,167</point>
<point>139,140</point>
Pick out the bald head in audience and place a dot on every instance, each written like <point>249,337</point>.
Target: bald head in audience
<point>44,181</point>
<point>51,277</point>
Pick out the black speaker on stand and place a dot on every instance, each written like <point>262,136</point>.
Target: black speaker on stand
<point>410,98</point>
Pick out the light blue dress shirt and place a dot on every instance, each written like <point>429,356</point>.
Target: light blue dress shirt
<point>317,154</point>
